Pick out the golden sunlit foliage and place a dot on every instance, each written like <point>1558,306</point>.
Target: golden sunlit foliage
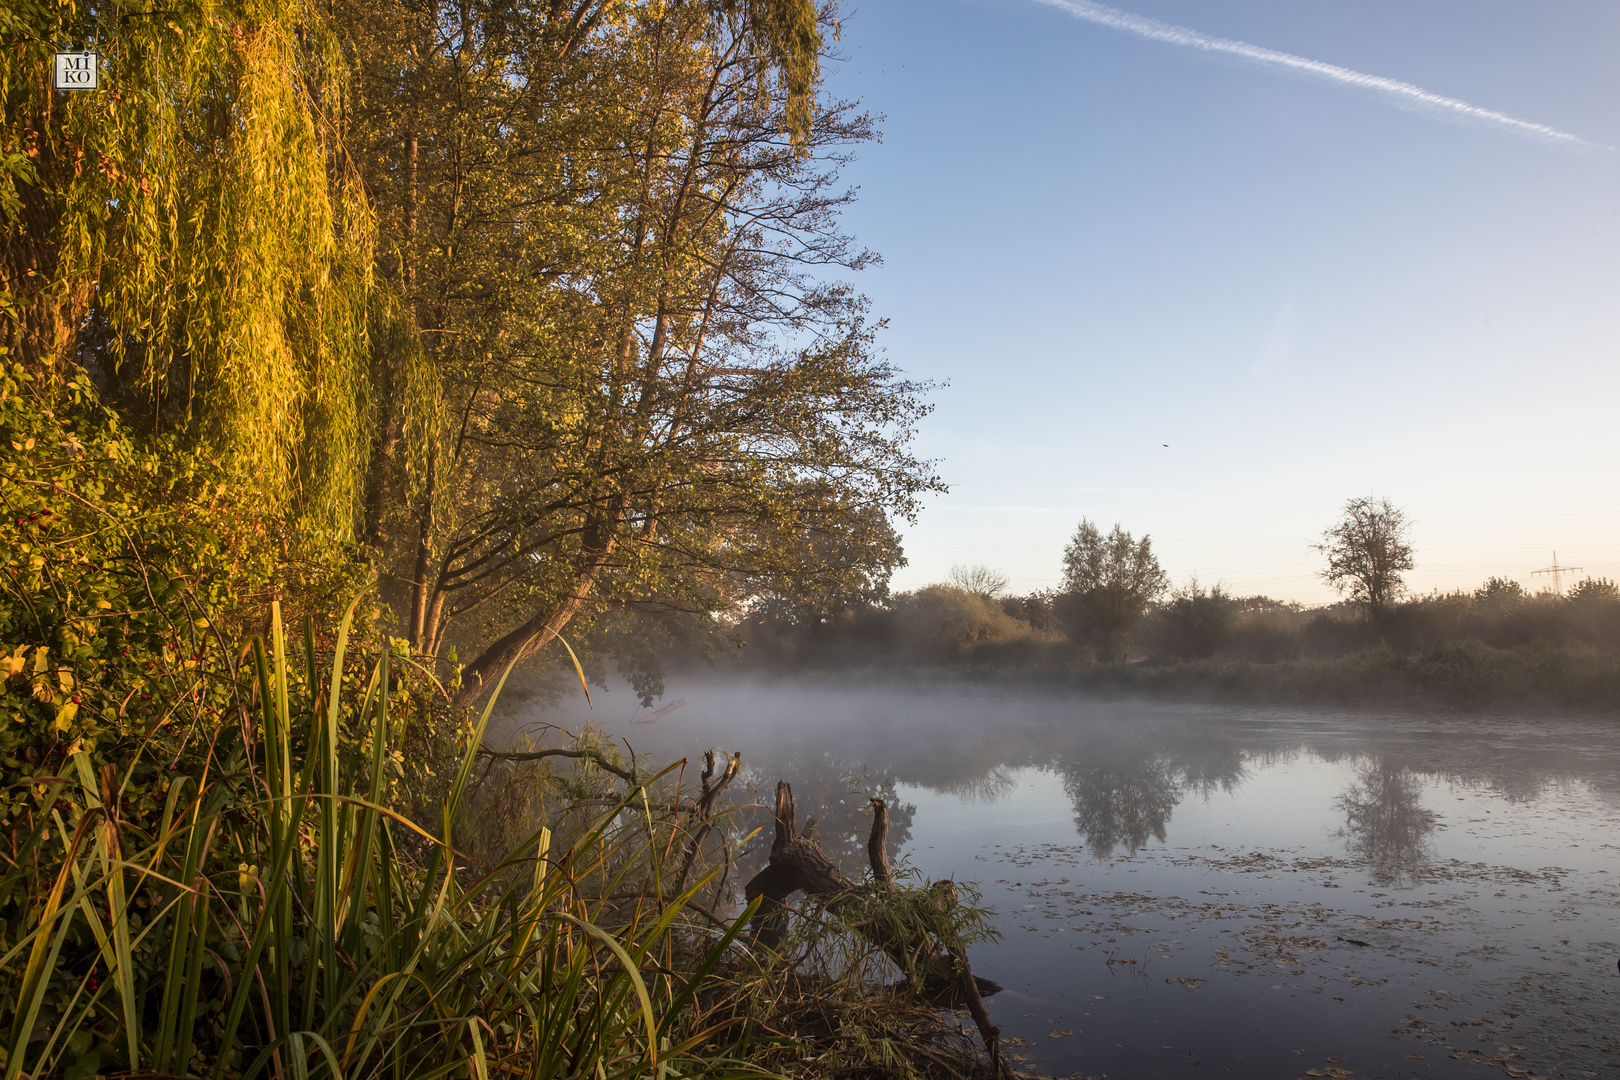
<point>541,303</point>
<point>193,230</point>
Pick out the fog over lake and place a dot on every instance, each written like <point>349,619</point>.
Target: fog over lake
<point>1191,889</point>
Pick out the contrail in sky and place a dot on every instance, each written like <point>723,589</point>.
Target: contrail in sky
<point>1403,94</point>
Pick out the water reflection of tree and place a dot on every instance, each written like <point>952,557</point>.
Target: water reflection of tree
<point>1211,768</point>
<point>1123,792</point>
<point>989,787</point>
<point>1122,806</point>
<point>1385,822</point>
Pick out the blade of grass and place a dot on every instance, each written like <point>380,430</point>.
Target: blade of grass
<point>630,972</point>
<point>42,957</point>
<point>578,670</point>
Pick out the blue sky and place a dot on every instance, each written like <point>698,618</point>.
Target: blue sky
<point>1107,243</point>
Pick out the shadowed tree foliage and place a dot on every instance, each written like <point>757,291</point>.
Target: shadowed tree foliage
<point>1108,583</point>
<point>1195,622</point>
<point>1594,591</point>
<point>1500,595</point>
<point>943,623</point>
<point>627,376</point>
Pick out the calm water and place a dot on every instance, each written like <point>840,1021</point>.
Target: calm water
<point>1203,891</point>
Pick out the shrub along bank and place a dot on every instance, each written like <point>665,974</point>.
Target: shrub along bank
<point>1453,675</point>
<point>206,865</point>
<point>1497,646</point>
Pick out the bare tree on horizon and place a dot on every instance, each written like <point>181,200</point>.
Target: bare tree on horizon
<point>987,581</point>
<point>1367,551</point>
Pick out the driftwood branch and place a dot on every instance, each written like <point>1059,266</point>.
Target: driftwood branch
<point>971,995</point>
<point>797,864</point>
<point>597,756</point>
<point>653,718</point>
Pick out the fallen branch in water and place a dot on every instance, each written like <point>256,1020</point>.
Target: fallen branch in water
<point>653,718</point>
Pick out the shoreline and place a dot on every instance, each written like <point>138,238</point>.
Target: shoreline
<point>1446,678</point>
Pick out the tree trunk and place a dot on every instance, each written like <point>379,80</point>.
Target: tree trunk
<point>408,256</point>
<point>433,630</point>
<point>480,675</point>
<point>424,557</point>
<point>390,423</point>
<point>51,301</point>
<point>877,845</point>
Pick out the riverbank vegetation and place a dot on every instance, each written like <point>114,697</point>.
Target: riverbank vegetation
<point>233,848</point>
<point>1118,627</point>
<point>351,354</point>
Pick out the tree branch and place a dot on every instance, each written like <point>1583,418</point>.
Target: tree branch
<point>536,755</point>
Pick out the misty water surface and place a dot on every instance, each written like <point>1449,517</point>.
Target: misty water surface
<point>1197,890</point>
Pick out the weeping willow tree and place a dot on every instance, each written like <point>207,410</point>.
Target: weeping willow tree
<point>192,232</point>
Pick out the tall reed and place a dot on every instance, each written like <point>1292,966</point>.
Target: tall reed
<point>280,919</point>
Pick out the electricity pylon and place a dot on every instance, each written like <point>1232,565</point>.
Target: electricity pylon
<point>1557,573</point>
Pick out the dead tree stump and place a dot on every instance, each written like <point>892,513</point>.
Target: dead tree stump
<point>877,845</point>
<point>797,863</point>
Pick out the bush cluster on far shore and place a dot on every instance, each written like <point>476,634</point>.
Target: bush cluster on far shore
<point>1497,646</point>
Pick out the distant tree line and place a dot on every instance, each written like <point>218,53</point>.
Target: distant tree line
<point>1116,605</point>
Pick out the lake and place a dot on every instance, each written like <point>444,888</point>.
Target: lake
<point>1194,890</point>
